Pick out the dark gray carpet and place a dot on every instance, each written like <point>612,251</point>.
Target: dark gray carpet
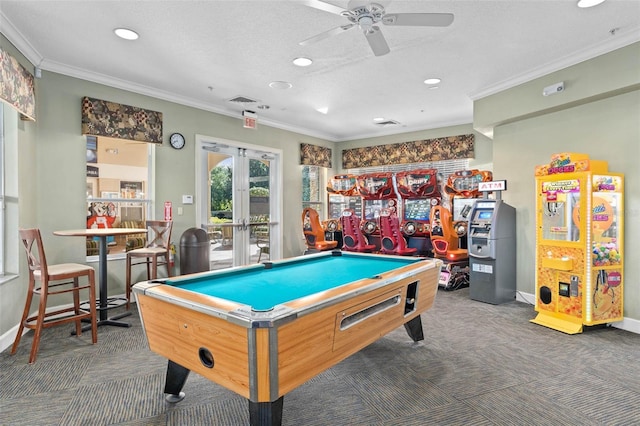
<point>479,364</point>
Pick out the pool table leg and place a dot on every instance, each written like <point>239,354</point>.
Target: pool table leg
<point>176,378</point>
<point>266,413</point>
<point>414,329</point>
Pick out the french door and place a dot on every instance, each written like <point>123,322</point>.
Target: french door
<point>239,201</point>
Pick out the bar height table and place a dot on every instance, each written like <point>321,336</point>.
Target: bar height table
<point>102,234</point>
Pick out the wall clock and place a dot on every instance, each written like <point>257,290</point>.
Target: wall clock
<point>177,140</point>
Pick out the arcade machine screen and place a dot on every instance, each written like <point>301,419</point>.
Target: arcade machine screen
<point>372,207</point>
<point>461,208</point>
<point>417,209</point>
<point>339,203</point>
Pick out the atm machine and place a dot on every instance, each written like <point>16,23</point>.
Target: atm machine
<point>492,251</point>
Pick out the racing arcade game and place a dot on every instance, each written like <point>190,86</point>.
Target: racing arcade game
<point>419,191</point>
<point>343,195</point>
<point>377,192</point>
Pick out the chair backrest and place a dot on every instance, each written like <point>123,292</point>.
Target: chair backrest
<point>443,236</point>
<point>311,227</point>
<point>159,233</point>
<point>32,242</point>
<point>352,236</point>
<point>391,238</point>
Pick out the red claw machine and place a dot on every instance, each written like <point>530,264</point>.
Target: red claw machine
<point>579,243</point>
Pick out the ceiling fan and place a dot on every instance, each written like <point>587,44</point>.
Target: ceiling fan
<point>366,15</point>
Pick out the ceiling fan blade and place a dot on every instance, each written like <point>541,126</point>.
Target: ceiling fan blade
<point>418,19</point>
<point>326,34</point>
<point>377,42</point>
<point>327,7</point>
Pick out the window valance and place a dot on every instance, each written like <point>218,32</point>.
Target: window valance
<point>104,118</point>
<point>428,150</point>
<point>314,155</point>
<point>17,86</point>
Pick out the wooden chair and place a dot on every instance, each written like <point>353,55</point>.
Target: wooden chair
<point>53,280</point>
<point>391,239</point>
<point>313,232</point>
<point>155,253</point>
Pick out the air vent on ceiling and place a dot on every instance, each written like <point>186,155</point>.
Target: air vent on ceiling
<point>242,100</point>
<point>387,123</point>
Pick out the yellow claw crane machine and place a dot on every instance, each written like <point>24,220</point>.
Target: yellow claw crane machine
<point>579,256</point>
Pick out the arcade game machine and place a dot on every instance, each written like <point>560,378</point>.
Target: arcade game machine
<point>579,257</point>
<point>419,192</point>
<point>449,237</point>
<point>377,192</point>
<point>343,195</point>
<point>462,188</point>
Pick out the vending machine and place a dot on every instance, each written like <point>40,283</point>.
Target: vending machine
<point>492,251</point>
<point>579,243</point>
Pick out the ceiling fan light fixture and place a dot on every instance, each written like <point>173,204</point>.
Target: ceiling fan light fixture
<point>126,33</point>
<point>302,62</point>
<point>379,119</point>
<point>589,3</point>
<point>432,81</point>
<point>323,110</point>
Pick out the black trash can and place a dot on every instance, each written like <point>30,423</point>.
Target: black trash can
<point>194,251</point>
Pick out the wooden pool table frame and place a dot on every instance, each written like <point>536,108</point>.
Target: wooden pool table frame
<point>264,355</point>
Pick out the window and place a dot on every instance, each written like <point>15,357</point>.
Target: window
<point>118,190</point>
<point>9,242</point>
<point>2,207</point>
<point>312,188</point>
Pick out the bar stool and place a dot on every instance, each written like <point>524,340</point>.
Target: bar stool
<point>49,277</point>
<point>158,246</point>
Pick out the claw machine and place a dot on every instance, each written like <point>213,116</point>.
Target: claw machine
<point>579,243</point>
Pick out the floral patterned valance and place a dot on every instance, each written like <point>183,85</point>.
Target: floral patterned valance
<point>16,86</point>
<point>422,151</point>
<point>104,118</point>
<point>313,155</point>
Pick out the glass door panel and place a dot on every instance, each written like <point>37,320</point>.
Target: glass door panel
<point>242,204</point>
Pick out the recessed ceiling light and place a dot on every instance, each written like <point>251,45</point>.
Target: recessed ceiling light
<point>432,81</point>
<point>433,87</point>
<point>302,62</point>
<point>323,110</point>
<point>126,33</point>
<point>589,3</point>
<point>282,85</point>
<point>378,119</point>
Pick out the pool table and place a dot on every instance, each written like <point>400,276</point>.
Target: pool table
<point>262,330</point>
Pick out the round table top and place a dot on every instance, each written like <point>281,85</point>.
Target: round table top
<point>99,232</point>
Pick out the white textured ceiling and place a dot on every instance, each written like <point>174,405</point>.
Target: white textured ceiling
<point>202,53</point>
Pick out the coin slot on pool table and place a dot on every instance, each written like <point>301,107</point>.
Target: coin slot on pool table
<point>368,312</point>
<point>206,357</point>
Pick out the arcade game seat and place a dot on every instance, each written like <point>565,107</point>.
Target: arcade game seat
<point>444,237</point>
<point>313,232</point>
<point>352,236</point>
<point>391,238</point>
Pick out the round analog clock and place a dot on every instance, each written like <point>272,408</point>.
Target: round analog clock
<point>177,140</point>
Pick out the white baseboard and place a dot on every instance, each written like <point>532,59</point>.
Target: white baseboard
<point>627,324</point>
